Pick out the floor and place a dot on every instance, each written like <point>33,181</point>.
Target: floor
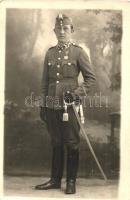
<point>86,188</point>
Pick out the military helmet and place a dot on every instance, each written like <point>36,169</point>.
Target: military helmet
<point>62,20</point>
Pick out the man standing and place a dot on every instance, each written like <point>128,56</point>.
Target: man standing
<point>62,65</point>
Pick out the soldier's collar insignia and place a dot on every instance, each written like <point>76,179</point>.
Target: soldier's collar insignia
<point>63,46</point>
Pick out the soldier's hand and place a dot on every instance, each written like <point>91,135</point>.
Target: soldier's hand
<point>43,113</point>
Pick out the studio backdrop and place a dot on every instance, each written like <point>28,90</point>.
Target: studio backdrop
<point>29,33</point>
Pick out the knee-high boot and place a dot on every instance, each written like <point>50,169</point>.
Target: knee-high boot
<point>56,170</point>
<point>72,168</point>
<point>57,164</point>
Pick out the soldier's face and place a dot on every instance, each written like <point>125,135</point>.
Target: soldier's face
<point>63,33</point>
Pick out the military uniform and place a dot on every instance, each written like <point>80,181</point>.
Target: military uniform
<point>62,66</point>
<point>61,70</point>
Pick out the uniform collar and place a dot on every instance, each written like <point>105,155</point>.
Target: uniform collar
<point>63,46</point>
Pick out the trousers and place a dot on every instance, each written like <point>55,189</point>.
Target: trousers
<point>63,132</point>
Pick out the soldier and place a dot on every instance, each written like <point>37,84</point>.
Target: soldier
<point>62,65</point>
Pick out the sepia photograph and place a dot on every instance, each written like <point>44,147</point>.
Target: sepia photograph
<point>62,102</point>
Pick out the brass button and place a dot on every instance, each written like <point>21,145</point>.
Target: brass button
<point>58,74</point>
<point>49,63</point>
<point>59,51</point>
<point>57,81</point>
<point>59,58</point>
<point>58,66</point>
<point>69,64</point>
<point>66,57</point>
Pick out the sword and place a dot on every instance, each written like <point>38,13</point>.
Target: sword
<point>81,122</point>
<point>88,142</point>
